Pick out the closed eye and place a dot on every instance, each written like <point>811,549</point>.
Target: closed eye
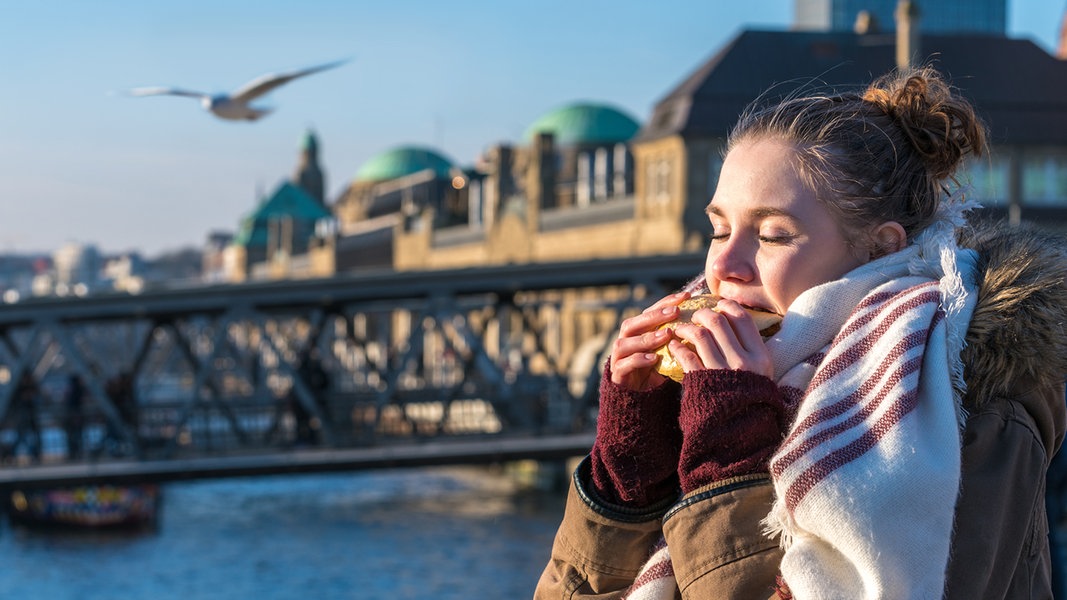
<point>777,239</point>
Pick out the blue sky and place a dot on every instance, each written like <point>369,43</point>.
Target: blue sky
<point>79,163</point>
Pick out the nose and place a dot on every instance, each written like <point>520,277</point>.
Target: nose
<point>731,260</point>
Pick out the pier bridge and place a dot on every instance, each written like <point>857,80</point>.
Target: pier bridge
<point>371,370</point>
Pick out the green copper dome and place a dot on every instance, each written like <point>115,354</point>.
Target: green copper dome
<point>287,202</point>
<point>585,123</point>
<point>405,160</point>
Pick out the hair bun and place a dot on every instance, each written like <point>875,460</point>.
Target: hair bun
<point>942,126</point>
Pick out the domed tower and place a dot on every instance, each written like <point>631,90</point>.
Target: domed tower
<point>308,175</point>
<point>403,161</point>
<point>402,180</point>
<point>593,162</point>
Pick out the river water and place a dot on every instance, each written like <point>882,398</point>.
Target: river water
<point>444,533</point>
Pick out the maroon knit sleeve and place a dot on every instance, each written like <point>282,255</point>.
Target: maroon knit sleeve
<point>732,422</point>
<point>634,461</point>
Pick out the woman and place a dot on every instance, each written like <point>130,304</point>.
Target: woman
<point>891,440</point>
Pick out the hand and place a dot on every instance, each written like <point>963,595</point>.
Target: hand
<point>633,358</point>
<point>725,338</point>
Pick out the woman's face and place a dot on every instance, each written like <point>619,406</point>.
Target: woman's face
<point>772,238</point>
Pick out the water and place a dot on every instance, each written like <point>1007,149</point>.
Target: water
<point>428,534</point>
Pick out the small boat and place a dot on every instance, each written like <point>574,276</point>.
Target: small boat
<point>86,506</point>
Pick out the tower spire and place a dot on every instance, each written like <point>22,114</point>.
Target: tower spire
<point>308,175</point>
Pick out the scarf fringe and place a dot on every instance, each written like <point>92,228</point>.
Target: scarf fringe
<point>955,269</point>
<point>779,524</point>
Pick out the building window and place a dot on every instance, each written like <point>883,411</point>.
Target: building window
<point>600,174</point>
<point>474,203</point>
<point>1044,179</point>
<point>489,204</point>
<point>620,185</point>
<point>584,179</point>
<point>650,180</point>
<point>986,179</point>
<point>658,182</point>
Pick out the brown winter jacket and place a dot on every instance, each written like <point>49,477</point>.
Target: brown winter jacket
<point>1016,359</point>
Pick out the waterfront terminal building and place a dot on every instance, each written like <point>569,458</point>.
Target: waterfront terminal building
<point>589,181</point>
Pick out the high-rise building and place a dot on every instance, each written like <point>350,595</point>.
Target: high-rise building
<point>937,16</point>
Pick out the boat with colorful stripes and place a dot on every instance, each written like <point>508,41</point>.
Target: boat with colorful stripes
<point>86,506</point>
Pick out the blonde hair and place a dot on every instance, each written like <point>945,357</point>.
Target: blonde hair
<point>889,153</point>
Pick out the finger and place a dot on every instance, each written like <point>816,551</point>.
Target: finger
<point>664,311</point>
<point>649,341</point>
<point>682,354</point>
<point>709,334</point>
<point>646,342</point>
<point>671,300</point>
<point>710,319</point>
<point>636,370</point>
<point>740,345</point>
<point>741,323</point>
<point>703,345</point>
<point>685,356</point>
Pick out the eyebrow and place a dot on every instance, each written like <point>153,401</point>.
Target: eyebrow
<point>758,212</point>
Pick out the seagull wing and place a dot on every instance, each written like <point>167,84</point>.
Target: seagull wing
<point>265,83</point>
<point>165,91</point>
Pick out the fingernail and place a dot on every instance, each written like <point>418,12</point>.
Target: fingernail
<point>669,310</point>
<point>661,333</point>
<point>650,356</point>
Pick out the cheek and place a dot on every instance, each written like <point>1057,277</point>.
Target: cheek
<point>802,275</point>
<point>788,277</point>
<point>779,279</point>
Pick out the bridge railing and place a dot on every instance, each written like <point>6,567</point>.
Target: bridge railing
<point>344,362</point>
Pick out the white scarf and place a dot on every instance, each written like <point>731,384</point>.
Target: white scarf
<point>867,478</point>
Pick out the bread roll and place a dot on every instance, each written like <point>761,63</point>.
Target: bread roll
<point>767,322</point>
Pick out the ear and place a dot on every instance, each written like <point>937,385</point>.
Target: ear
<point>887,238</point>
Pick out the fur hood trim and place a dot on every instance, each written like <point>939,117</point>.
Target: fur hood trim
<point>1017,338</point>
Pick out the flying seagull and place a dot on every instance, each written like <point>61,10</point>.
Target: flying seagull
<point>236,107</point>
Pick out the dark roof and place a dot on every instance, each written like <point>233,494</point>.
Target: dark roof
<point>1019,89</point>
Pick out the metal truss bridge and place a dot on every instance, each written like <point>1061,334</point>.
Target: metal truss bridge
<point>362,371</point>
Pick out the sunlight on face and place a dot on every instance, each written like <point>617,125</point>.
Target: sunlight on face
<point>772,238</point>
